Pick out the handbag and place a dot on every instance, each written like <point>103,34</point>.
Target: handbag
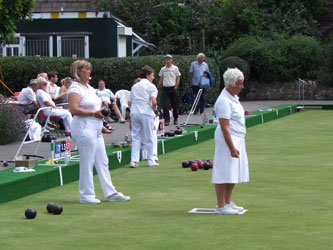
<point>204,82</point>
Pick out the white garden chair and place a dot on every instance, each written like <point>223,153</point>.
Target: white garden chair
<point>123,96</point>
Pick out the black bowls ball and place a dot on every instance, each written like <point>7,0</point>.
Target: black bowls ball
<point>105,112</point>
<point>50,207</point>
<point>30,213</point>
<point>57,209</point>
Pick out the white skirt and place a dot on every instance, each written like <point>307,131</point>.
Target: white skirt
<point>226,168</point>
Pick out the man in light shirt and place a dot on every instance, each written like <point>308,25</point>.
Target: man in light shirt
<point>196,71</point>
<point>27,98</point>
<point>52,87</point>
<point>169,77</point>
<point>108,100</point>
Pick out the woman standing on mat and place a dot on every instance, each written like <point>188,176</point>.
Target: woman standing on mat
<point>143,106</point>
<point>86,129</point>
<point>230,159</point>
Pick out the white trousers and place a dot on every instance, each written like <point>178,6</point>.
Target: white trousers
<point>65,115</point>
<point>86,132</point>
<point>144,154</point>
<point>142,133</point>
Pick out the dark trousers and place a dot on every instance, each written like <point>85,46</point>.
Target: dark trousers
<point>29,108</point>
<point>202,102</point>
<point>169,95</point>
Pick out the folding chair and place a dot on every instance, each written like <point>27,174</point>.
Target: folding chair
<point>43,120</point>
<point>44,130</point>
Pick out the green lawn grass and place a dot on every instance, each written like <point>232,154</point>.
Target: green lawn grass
<point>289,198</point>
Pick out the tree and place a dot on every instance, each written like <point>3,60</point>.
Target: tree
<point>12,11</point>
<point>177,27</point>
<point>189,26</point>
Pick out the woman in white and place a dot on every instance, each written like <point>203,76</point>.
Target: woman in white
<point>45,100</point>
<point>230,159</point>
<point>86,129</point>
<point>143,104</point>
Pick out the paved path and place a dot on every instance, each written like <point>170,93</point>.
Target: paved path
<point>7,152</point>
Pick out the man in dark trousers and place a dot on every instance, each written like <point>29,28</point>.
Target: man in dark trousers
<point>196,71</point>
<point>169,77</point>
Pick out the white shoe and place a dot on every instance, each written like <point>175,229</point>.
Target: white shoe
<point>122,120</point>
<point>155,158</point>
<point>153,164</point>
<point>234,206</point>
<point>134,164</point>
<point>89,201</point>
<point>118,197</point>
<point>227,209</point>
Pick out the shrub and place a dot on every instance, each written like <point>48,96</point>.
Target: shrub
<point>279,59</point>
<point>235,62</point>
<point>118,73</point>
<point>12,124</point>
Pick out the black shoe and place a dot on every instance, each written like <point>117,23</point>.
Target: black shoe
<point>175,122</point>
<point>166,123</point>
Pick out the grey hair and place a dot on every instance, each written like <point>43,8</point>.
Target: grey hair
<point>231,76</point>
<point>77,65</point>
<point>200,55</point>
<point>40,81</point>
<point>43,74</point>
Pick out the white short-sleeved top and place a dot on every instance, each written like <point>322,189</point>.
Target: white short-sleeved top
<point>105,95</point>
<point>229,107</point>
<point>140,95</point>
<point>169,75</point>
<point>43,97</point>
<point>89,99</point>
<point>27,96</point>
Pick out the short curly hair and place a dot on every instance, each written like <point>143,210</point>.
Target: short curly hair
<point>231,76</point>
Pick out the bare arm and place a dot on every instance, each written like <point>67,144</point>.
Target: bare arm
<point>224,124</point>
<point>60,96</point>
<point>191,74</point>
<point>74,106</point>
<point>49,104</point>
<point>153,103</point>
<point>160,81</point>
<point>177,82</point>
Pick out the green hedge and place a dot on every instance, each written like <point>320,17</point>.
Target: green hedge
<point>235,62</point>
<point>118,73</point>
<point>279,59</point>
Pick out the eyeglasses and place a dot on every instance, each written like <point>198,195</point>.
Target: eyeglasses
<point>68,78</point>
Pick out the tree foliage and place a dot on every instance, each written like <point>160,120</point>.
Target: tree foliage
<point>12,11</point>
<point>190,26</point>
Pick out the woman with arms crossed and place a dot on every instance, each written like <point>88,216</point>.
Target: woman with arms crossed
<point>86,129</point>
<point>230,159</point>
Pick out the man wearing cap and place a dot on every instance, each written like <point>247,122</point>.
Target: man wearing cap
<point>169,77</point>
<point>27,98</point>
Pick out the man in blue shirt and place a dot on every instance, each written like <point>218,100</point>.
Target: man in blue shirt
<point>196,71</point>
